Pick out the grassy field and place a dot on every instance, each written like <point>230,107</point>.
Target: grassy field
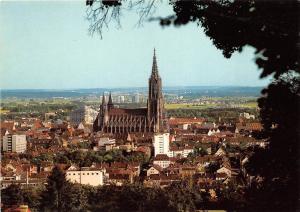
<point>4,111</point>
<point>251,105</point>
<point>187,106</point>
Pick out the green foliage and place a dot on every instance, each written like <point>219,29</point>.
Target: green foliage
<point>87,158</point>
<point>60,195</point>
<point>128,198</point>
<point>270,27</point>
<point>74,198</point>
<point>43,157</point>
<point>61,158</point>
<point>279,164</point>
<point>12,195</point>
<point>52,198</point>
<point>211,114</point>
<point>32,197</point>
<point>183,196</point>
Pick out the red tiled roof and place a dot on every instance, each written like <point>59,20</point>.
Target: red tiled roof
<point>7,125</point>
<point>249,126</point>
<point>221,175</point>
<point>160,157</point>
<point>122,111</point>
<point>157,167</point>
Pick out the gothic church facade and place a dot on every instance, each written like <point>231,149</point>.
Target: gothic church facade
<point>123,120</point>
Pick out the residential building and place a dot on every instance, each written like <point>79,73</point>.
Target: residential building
<point>162,160</point>
<point>161,143</point>
<point>155,169</point>
<point>85,175</point>
<point>14,143</point>
<point>180,151</point>
<point>84,114</point>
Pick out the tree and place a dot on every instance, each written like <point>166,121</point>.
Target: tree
<point>279,164</point>
<point>184,196</point>
<point>52,197</point>
<point>74,198</point>
<point>32,198</point>
<point>12,195</point>
<point>128,198</point>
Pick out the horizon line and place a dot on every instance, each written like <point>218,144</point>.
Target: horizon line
<point>124,87</point>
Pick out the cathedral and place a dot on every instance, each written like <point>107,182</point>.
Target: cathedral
<point>121,120</point>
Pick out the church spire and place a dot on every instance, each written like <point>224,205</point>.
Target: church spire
<point>109,99</point>
<point>154,65</point>
<point>103,99</point>
<point>155,105</point>
<point>110,103</point>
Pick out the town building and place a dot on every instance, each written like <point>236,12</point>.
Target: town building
<point>136,98</point>
<point>180,151</point>
<point>162,160</point>
<point>161,143</point>
<point>105,143</point>
<point>84,114</point>
<point>85,175</point>
<point>14,143</point>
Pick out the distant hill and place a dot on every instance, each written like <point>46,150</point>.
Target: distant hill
<point>181,91</point>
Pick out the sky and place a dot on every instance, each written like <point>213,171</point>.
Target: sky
<point>46,45</point>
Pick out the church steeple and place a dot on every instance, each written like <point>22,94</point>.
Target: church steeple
<point>154,66</point>
<point>123,121</point>
<point>110,103</point>
<point>103,99</point>
<point>102,106</point>
<point>155,103</point>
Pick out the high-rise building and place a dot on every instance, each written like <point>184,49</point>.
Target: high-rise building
<point>14,143</point>
<point>121,120</point>
<point>161,143</point>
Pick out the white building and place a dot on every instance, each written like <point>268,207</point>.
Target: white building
<point>155,169</point>
<point>85,175</point>
<point>161,143</point>
<point>14,143</point>
<point>106,141</point>
<point>180,151</point>
<point>120,99</point>
<point>162,160</point>
<point>247,115</point>
<point>84,114</point>
<point>136,98</point>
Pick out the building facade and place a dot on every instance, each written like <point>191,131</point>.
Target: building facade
<point>84,114</point>
<point>120,120</point>
<point>85,175</point>
<point>161,143</point>
<point>14,143</point>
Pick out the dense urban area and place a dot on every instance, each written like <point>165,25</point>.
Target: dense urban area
<point>99,147</point>
<point>52,158</point>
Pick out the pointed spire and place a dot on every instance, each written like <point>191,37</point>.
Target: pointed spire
<point>109,99</point>
<point>103,99</point>
<point>110,103</point>
<point>154,65</point>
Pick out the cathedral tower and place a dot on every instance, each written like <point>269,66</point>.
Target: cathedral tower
<point>155,105</point>
<point>117,120</point>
